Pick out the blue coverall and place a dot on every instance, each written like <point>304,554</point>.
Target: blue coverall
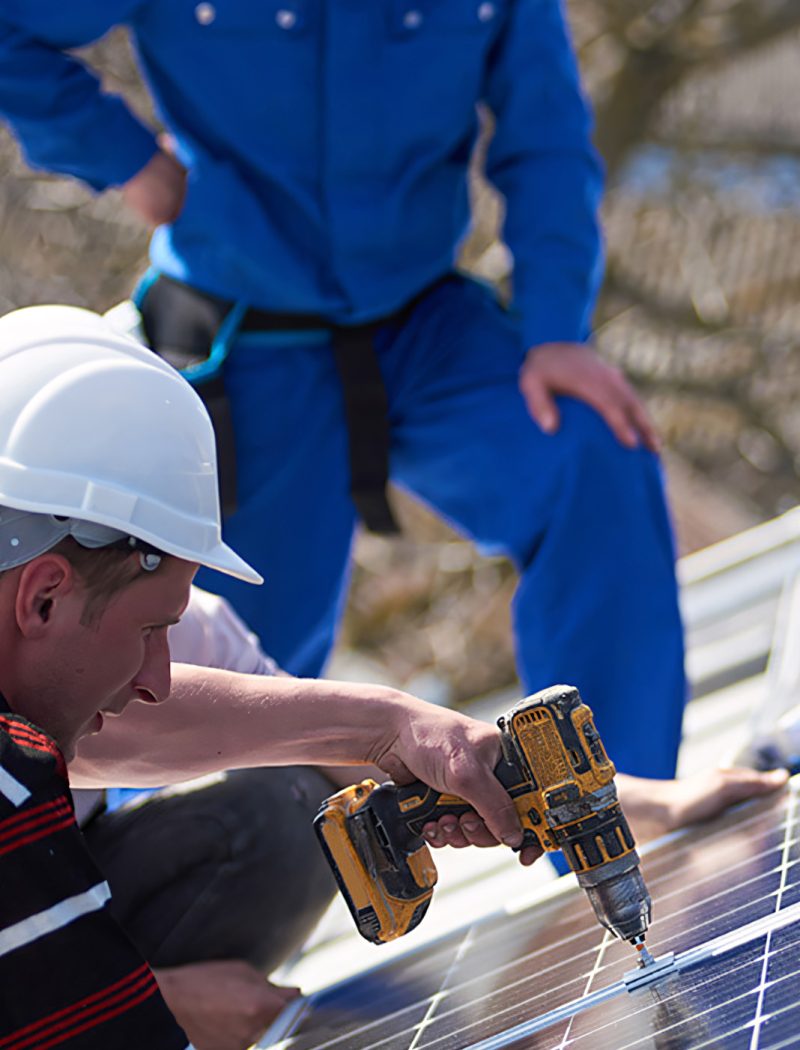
<point>328,143</point>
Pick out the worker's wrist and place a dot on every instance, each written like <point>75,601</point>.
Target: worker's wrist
<point>341,723</point>
<point>390,711</point>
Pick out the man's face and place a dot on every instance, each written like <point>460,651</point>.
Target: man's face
<point>85,672</point>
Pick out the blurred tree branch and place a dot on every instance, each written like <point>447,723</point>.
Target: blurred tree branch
<point>649,48</point>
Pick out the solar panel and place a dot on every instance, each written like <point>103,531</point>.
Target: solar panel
<point>726,901</point>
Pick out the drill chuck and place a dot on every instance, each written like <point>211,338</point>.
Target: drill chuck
<point>619,897</point>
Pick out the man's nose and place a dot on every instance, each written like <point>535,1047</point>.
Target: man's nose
<point>154,675</point>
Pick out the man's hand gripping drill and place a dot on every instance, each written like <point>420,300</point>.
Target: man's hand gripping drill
<point>555,769</point>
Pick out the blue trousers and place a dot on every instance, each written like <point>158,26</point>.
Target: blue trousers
<point>582,518</point>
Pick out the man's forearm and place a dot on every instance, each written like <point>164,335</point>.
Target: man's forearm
<point>216,720</point>
<point>222,720</point>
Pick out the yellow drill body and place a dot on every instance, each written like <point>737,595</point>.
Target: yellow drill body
<point>555,769</point>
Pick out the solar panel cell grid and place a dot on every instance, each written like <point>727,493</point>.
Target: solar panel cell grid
<point>499,979</point>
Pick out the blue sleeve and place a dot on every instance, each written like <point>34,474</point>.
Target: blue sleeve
<point>542,161</point>
<point>55,106</point>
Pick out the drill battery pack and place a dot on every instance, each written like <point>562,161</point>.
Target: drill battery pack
<point>386,873</point>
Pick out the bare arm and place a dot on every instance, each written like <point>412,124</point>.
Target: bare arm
<point>222,720</point>
<point>223,1003</point>
<point>216,719</point>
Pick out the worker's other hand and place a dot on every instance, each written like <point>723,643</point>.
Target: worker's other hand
<point>457,755</point>
<point>224,1004</point>
<point>575,370</point>
<point>655,807</point>
<point>156,193</point>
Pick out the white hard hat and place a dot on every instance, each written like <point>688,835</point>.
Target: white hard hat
<point>95,428</point>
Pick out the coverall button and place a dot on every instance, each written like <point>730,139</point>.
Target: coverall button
<point>205,14</point>
<point>412,19</point>
<point>285,18</point>
<point>486,11</point>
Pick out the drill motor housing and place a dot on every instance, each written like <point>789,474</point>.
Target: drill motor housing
<point>555,769</point>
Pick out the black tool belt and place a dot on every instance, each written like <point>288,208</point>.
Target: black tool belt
<point>184,325</point>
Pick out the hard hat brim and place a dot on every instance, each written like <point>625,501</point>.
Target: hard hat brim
<point>218,556</point>
<point>225,559</point>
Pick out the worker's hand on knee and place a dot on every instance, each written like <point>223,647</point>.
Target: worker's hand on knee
<point>575,370</point>
<point>457,755</point>
<point>156,193</point>
<point>225,1004</point>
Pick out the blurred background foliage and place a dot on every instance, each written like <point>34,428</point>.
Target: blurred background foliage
<point>698,123</point>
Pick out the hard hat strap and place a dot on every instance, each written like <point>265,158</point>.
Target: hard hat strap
<point>24,535</point>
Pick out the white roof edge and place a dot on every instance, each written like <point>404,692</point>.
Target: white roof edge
<point>740,548</point>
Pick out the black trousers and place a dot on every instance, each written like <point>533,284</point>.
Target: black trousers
<point>227,867</point>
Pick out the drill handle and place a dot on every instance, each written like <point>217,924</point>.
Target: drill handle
<point>419,804</point>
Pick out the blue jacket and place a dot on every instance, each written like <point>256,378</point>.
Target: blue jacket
<point>328,142</point>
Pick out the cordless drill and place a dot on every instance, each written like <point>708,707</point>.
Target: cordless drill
<point>556,770</point>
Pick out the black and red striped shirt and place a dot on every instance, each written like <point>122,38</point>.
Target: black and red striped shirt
<point>69,976</point>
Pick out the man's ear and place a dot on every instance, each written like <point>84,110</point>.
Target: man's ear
<point>42,585</point>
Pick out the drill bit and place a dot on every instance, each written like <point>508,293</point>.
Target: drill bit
<point>645,958</point>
